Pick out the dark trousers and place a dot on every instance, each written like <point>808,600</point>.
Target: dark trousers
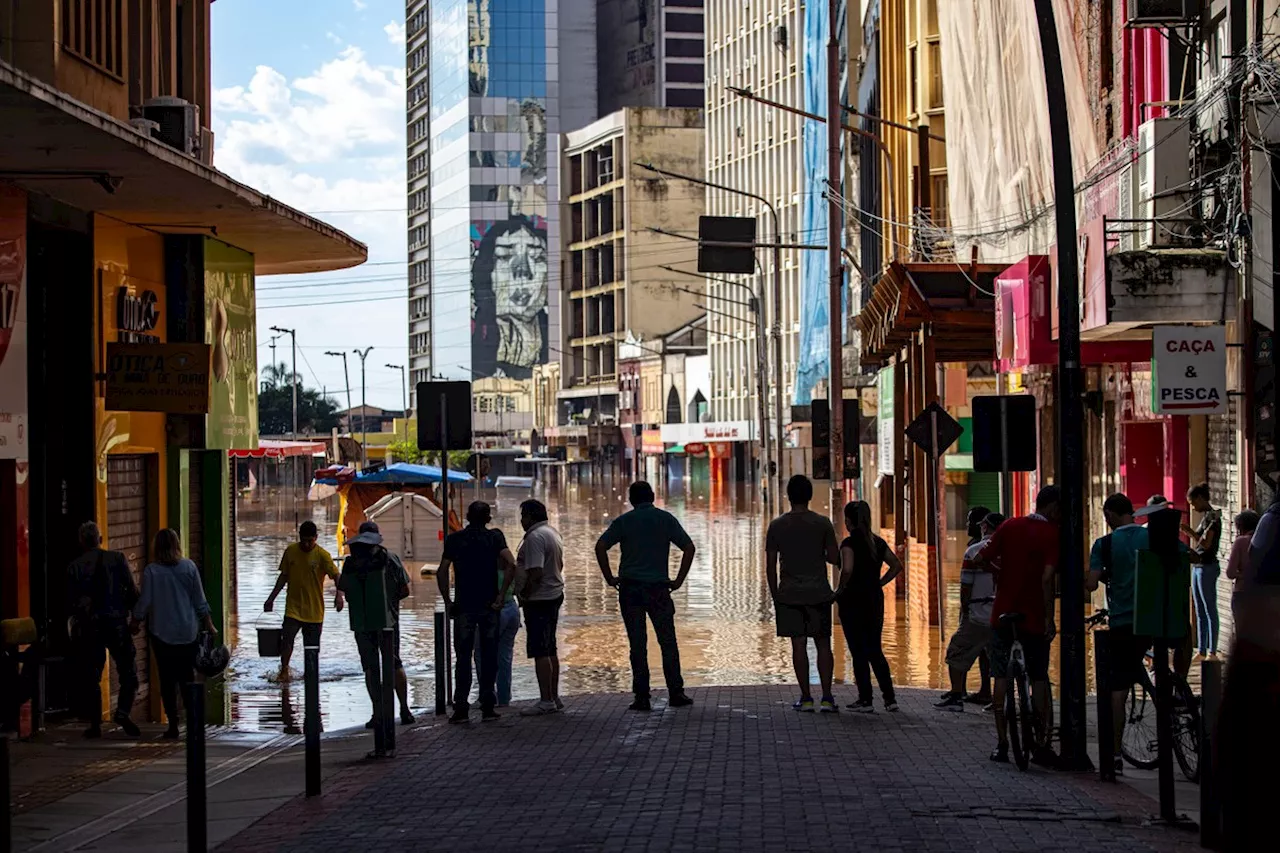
<point>177,666</point>
<point>653,601</point>
<point>863,623</point>
<point>102,639</point>
<point>469,631</point>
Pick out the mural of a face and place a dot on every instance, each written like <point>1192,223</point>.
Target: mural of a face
<point>520,275</point>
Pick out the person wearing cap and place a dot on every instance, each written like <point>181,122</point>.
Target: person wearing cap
<point>373,610</point>
<point>540,563</point>
<point>303,569</point>
<point>476,554</point>
<point>973,634</point>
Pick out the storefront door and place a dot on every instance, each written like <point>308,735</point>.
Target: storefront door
<point>128,496</point>
<point>1142,460</point>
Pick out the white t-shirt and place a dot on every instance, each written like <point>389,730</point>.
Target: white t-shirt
<point>543,549</point>
<point>984,585</point>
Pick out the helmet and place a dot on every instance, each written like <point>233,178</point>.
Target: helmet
<point>212,658</point>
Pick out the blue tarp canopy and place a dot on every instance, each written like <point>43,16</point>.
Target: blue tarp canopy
<point>403,472</point>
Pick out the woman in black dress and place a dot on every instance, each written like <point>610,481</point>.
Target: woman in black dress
<point>861,603</point>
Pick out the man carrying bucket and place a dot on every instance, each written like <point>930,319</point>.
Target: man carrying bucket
<point>303,569</point>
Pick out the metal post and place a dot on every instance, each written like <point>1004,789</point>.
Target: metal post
<point>779,424</point>
<point>364,419</point>
<point>442,699</point>
<point>835,267</point>
<point>444,525</point>
<point>1070,403</point>
<point>1106,716</point>
<point>311,725</point>
<point>1210,784</point>
<point>293,375</point>
<point>1006,476</point>
<point>935,515</point>
<point>1164,727</point>
<point>197,805</point>
<point>386,643</point>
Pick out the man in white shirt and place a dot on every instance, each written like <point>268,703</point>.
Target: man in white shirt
<point>973,634</point>
<point>540,567</point>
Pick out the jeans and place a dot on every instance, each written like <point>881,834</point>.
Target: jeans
<point>107,637</point>
<point>177,666</point>
<point>1204,586</point>
<point>508,627</point>
<point>475,634</point>
<point>863,624</point>
<point>638,601</point>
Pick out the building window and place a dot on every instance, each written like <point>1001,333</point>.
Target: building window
<point>938,190</point>
<point>679,22</point>
<point>913,80</point>
<point>935,75</point>
<point>686,48</point>
<point>94,31</point>
<point>695,98</point>
<point>685,73</point>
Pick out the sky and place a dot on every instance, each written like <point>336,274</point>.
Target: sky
<point>309,108</point>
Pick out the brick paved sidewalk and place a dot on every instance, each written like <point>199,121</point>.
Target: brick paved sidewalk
<point>740,771</point>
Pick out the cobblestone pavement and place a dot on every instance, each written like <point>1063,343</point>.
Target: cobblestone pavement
<point>739,771</point>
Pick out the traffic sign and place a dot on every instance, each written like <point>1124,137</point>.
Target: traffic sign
<point>1004,433</point>
<point>922,430</point>
<point>1189,370</point>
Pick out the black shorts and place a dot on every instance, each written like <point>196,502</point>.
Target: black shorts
<point>367,646</point>
<point>540,621</point>
<point>803,620</point>
<point>310,632</point>
<point>1126,655</point>
<point>1035,650</point>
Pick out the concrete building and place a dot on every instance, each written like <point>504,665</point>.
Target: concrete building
<point>107,159</point>
<point>616,286</point>
<point>485,292</point>
<point>651,53</point>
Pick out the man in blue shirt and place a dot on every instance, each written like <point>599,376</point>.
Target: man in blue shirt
<point>644,586</point>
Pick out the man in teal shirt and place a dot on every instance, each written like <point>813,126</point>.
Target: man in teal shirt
<point>644,586</point>
<point>1114,561</point>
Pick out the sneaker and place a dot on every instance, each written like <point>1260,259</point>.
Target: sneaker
<point>540,709</point>
<point>641,704</point>
<point>407,718</point>
<point>373,722</point>
<point>862,706</point>
<point>978,698</point>
<point>489,715</point>
<point>951,703</point>
<point>680,700</point>
<point>170,733</point>
<point>945,696</point>
<point>559,704</point>
<point>460,715</point>
<point>891,706</point>
<point>129,726</point>
<point>989,708</point>
<point>1001,754</point>
<point>829,706</point>
<point>1117,766</point>
<point>805,705</point>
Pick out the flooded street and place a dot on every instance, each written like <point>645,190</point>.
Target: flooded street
<point>724,614</point>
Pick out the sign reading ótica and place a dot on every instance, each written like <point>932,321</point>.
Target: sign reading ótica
<point>1189,370</point>
<point>172,378</point>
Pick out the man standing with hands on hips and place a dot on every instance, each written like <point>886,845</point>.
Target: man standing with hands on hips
<point>644,586</point>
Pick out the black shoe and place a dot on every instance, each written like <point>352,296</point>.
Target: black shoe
<point>489,715</point>
<point>862,706</point>
<point>170,733</point>
<point>129,726</point>
<point>93,733</point>
<point>407,718</point>
<point>951,702</point>
<point>461,715</point>
<point>978,698</point>
<point>641,704</point>
<point>680,700</point>
<point>1001,755</point>
<point>373,722</point>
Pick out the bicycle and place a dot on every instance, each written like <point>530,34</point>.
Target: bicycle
<point>1026,730</point>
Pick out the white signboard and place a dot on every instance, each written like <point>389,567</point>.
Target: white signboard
<point>884,421</point>
<point>1189,370</point>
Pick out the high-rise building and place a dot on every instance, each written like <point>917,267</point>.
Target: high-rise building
<point>485,285</point>
<point>651,53</point>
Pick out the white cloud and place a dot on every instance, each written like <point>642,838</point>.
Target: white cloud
<point>360,5</point>
<point>395,32</point>
<point>333,37</point>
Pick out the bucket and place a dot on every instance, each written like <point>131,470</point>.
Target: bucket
<point>270,641</point>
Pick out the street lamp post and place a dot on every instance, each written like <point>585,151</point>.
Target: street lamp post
<point>293,373</point>
<point>404,397</point>
<point>780,424</point>
<point>364,420</point>
<point>345,378</point>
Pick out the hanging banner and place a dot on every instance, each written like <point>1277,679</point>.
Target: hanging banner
<point>884,421</point>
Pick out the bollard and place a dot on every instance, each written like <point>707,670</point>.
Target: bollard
<point>6,818</point>
<point>1210,787</point>
<point>441,697</point>
<point>1106,721</point>
<point>311,726</point>
<point>388,694</point>
<point>197,805</point>
<point>448,658</point>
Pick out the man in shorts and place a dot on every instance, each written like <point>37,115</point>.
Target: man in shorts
<point>973,634</point>
<point>540,565</point>
<point>1023,555</point>
<point>303,569</point>
<point>1113,560</point>
<point>804,542</point>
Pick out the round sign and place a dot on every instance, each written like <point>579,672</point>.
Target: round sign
<point>695,449</point>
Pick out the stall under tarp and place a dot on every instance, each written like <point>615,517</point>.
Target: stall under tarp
<point>359,493</point>
<point>272,449</point>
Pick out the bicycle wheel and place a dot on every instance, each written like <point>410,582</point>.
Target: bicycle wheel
<point>1139,742</point>
<point>1186,729</point>
<point>1017,718</point>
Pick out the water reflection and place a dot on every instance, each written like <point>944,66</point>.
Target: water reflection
<point>724,615</point>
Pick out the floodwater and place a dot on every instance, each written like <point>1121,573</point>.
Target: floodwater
<point>724,615</point>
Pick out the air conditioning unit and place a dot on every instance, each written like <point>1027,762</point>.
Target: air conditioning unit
<point>1163,13</point>
<point>1163,181</point>
<point>781,38</point>
<point>179,122</point>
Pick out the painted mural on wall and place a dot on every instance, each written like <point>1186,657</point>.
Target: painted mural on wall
<point>231,329</point>
<point>509,306</point>
<point>13,325</point>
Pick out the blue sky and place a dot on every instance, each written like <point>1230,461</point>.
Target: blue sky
<point>308,107</point>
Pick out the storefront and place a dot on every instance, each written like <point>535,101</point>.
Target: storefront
<point>716,451</point>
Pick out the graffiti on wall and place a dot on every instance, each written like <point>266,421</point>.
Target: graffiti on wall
<point>509,305</point>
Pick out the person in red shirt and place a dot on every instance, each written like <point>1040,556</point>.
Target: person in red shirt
<point>1023,556</point>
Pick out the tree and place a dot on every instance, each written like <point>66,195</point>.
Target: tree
<point>317,415</point>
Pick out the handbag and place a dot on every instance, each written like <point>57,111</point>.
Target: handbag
<point>212,657</point>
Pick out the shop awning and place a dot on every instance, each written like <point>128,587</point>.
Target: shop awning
<point>59,147</point>
<point>271,449</point>
<point>954,299</point>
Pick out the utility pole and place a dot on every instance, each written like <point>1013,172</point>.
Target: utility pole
<point>346,378</point>
<point>293,372</point>
<point>404,398</point>
<point>364,420</point>
<point>1070,475</point>
<point>835,266</point>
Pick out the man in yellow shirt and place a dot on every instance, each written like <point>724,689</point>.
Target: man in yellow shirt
<point>303,569</point>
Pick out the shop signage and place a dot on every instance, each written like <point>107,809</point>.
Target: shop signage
<point>1189,370</point>
<point>136,316</point>
<point>651,441</point>
<point>884,421</point>
<point>696,448</point>
<point>709,432</point>
<point>172,378</point>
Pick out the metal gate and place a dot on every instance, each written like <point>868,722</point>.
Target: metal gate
<point>195,511</point>
<point>128,492</point>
